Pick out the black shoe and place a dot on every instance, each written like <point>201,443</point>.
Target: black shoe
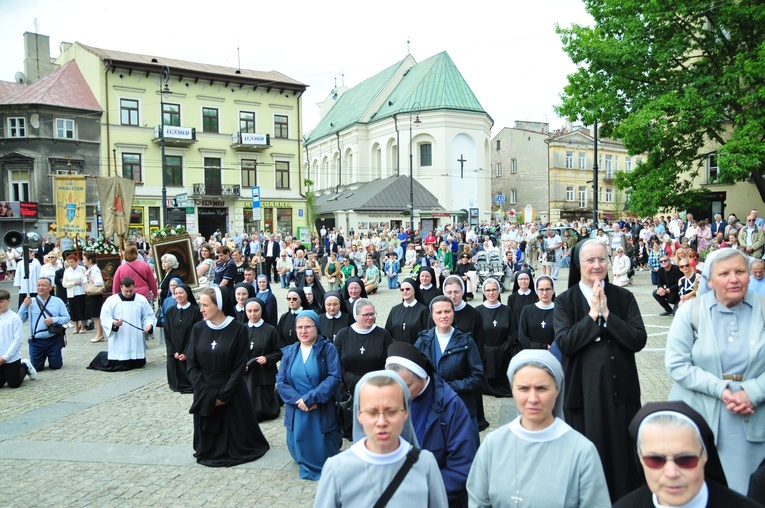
<point>666,313</point>
<point>483,426</point>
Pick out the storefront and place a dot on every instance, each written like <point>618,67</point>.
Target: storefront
<point>212,215</point>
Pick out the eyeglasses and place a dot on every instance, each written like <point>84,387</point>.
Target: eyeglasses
<point>490,290</point>
<point>683,266</point>
<point>681,461</point>
<point>304,327</point>
<point>405,289</point>
<point>368,315</point>
<point>662,261</point>
<point>388,414</point>
<point>592,261</point>
<point>292,299</point>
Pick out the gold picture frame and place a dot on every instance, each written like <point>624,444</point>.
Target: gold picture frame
<point>183,250</point>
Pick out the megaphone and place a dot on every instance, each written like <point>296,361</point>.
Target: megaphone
<point>33,240</point>
<point>13,239</point>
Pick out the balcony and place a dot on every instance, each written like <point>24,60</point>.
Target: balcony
<point>609,176</point>
<point>250,141</point>
<point>215,190</point>
<point>174,135</point>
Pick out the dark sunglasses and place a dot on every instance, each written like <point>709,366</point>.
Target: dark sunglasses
<point>292,299</point>
<point>682,266</point>
<point>681,461</point>
<point>664,261</point>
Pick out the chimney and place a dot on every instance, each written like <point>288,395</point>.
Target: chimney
<point>37,60</point>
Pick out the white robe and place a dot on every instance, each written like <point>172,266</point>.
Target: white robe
<point>127,343</point>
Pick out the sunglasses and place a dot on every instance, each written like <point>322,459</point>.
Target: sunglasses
<point>681,461</point>
<point>292,299</point>
<point>683,266</point>
<point>664,261</point>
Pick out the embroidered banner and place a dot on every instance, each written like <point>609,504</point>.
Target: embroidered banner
<point>70,205</point>
<point>116,195</point>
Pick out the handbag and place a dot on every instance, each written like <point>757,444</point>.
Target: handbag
<point>92,289</point>
<point>344,411</point>
<point>411,459</point>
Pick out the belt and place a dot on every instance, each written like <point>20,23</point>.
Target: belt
<point>733,377</point>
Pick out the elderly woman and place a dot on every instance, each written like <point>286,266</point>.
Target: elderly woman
<point>621,265</point>
<point>139,271</point>
<point>599,328</point>
<point>677,453</point>
<point>499,334</point>
<point>716,357</point>
<point>363,346</point>
<point>307,381</point>
<point>427,289</point>
<point>521,461</point>
<point>226,432</point>
<point>170,269</point>
<point>352,291</point>
<point>382,446</point>
<point>179,320</point>
<point>407,319</point>
<point>264,354</point>
<point>310,280</point>
<point>206,266</point>
<point>74,282</point>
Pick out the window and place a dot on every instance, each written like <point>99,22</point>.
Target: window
<point>513,166</point>
<point>209,120</point>
<point>249,172</point>
<point>570,193</point>
<point>498,145</point>
<point>609,195</point>
<point>713,170</point>
<point>282,174</point>
<point>131,166</point>
<point>212,176</point>
<point>600,194</point>
<point>609,174</point>
<point>171,114</point>
<point>174,170</point>
<point>638,161</point>
<point>569,160</point>
<point>499,169</point>
<point>582,196</point>
<point>582,161</point>
<point>128,112</point>
<point>284,219</point>
<point>609,163</point>
<point>17,127</point>
<point>628,163</point>
<point>19,185</point>
<point>616,163</point>
<point>64,128</point>
<point>281,126</point>
<point>246,121</point>
<point>512,196</point>
<point>426,154</point>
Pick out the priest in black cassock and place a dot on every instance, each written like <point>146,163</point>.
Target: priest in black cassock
<point>499,335</point>
<point>296,302</point>
<point>179,320</point>
<point>226,431</point>
<point>407,319</point>
<point>335,318</point>
<point>598,328</point>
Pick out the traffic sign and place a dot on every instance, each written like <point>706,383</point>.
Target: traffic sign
<point>500,198</point>
<point>256,214</point>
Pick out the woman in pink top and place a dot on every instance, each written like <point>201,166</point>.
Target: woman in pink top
<point>139,271</point>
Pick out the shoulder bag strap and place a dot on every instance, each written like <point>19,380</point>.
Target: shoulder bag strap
<point>411,458</point>
<point>138,273</point>
<point>43,310</point>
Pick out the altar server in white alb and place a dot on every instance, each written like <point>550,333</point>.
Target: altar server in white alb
<point>125,317</point>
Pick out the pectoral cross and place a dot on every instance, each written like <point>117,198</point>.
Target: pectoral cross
<point>403,327</point>
<point>362,350</point>
<point>213,344</point>
<point>494,322</point>
<point>543,324</point>
<point>516,497</point>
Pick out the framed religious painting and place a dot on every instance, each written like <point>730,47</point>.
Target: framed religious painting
<point>182,248</point>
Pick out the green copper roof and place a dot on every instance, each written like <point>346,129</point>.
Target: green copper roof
<point>435,84</point>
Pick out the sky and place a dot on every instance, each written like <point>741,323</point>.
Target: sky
<point>507,51</point>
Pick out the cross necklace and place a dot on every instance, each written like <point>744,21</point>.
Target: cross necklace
<point>518,485</point>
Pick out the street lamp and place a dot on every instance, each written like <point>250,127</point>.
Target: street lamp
<point>413,112</point>
<point>164,77</point>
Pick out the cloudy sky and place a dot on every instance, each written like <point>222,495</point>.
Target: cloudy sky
<point>506,50</point>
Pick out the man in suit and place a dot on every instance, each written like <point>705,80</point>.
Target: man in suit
<point>719,225</point>
<point>271,253</point>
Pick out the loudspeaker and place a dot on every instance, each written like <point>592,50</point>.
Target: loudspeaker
<point>13,239</point>
<point>33,240</point>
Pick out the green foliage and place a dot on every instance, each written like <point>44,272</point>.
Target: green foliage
<point>668,77</point>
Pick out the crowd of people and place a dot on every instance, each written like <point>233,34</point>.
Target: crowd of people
<point>409,391</point>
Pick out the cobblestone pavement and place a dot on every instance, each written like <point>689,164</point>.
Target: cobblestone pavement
<point>77,437</point>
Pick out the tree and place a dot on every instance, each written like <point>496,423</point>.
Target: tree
<point>667,78</point>
<point>310,205</point>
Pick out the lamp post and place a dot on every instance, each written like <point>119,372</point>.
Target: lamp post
<point>164,77</point>
<point>413,112</point>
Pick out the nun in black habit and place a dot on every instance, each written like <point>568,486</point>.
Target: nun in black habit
<point>499,334</point>
<point>407,319</point>
<point>263,355</point>
<point>353,290</point>
<point>242,292</point>
<point>714,481</point>
<point>335,318</point>
<point>296,302</point>
<point>226,431</point>
<point>179,320</point>
<point>263,291</point>
<point>428,290</point>
<point>598,328</point>
<point>311,280</point>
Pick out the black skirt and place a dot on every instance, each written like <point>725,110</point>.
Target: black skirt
<point>77,308</point>
<point>93,304</point>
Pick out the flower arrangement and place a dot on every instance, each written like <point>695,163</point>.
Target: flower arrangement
<point>170,232</point>
<point>101,246</point>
